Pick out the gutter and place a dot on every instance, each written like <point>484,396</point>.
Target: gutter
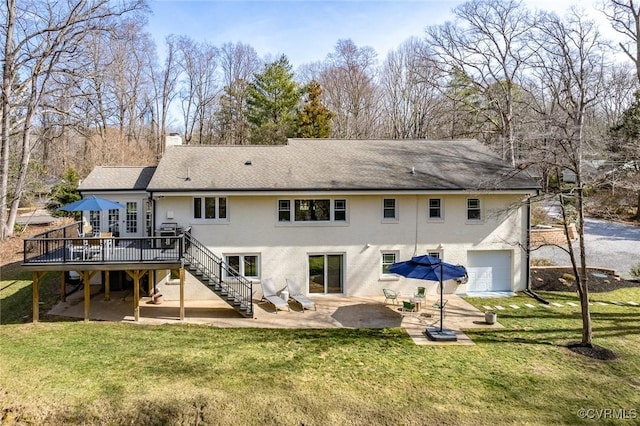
<point>528,291</point>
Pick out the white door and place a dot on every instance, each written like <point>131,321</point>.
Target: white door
<point>489,271</point>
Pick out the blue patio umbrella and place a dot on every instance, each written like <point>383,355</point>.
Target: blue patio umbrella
<point>92,203</point>
<point>431,268</point>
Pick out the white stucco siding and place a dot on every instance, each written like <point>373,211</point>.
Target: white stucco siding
<point>253,228</point>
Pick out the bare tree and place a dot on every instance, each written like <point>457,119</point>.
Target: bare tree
<point>410,99</point>
<point>35,47</point>
<point>164,82</point>
<point>199,88</point>
<point>624,16</point>
<point>347,77</point>
<point>488,43</point>
<point>570,62</point>
<point>238,63</point>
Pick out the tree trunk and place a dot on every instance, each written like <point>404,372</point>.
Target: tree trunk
<point>7,79</point>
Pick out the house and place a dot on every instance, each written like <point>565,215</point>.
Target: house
<point>128,186</point>
<point>334,214</point>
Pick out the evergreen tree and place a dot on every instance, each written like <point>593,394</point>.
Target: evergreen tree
<point>272,101</point>
<point>625,135</point>
<point>314,120</point>
<point>64,192</point>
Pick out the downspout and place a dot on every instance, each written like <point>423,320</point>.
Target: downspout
<point>528,291</point>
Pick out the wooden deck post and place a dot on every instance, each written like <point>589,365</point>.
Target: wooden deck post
<point>136,275</point>
<point>36,297</point>
<point>182,293</point>
<point>107,286</point>
<point>86,278</point>
<point>63,286</point>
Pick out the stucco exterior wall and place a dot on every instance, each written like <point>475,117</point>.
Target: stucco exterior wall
<point>253,228</point>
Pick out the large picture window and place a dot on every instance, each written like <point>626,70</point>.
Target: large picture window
<point>312,210</point>
<point>210,208</point>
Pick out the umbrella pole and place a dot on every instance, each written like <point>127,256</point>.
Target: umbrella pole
<point>441,298</point>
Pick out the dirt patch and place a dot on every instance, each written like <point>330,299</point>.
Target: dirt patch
<point>12,249</point>
<point>593,351</point>
<point>563,279</point>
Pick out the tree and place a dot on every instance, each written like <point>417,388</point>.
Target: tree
<point>570,61</point>
<point>411,100</point>
<point>624,16</point>
<point>488,42</point>
<point>314,120</point>
<point>65,191</point>
<point>348,78</point>
<point>38,38</point>
<point>199,90</point>
<point>272,100</point>
<point>238,63</point>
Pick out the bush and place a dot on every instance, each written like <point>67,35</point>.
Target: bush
<point>635,271</point>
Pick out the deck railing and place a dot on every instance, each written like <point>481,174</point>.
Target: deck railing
<point>50,250</point>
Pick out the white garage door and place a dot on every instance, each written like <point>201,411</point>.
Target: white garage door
<point>489,271</point>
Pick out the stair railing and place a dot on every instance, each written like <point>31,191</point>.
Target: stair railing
<point>236,288</point>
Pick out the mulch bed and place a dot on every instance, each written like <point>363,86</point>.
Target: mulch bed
<point>561,279</point>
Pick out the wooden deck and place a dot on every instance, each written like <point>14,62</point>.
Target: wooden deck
<point>67,254</point>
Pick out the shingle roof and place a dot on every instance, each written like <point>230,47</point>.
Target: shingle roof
<point>330,164</point>
<point>104,178</point>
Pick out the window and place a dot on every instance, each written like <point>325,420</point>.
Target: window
<point>434,254</point>
<point>212,208</point>
<point>388,258</point>
<point>246,265</point>
<point>312,210</point>
<point>435,208</point>
<point>340,210</point>
<point>94,220</point>
<point>389,210</point>
<point>284,211</point>
<point>473,209</point>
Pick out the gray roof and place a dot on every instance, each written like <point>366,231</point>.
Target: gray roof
<point>104,178</point>
<point>330,164</point>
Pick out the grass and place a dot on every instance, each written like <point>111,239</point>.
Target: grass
<point>115,373</point>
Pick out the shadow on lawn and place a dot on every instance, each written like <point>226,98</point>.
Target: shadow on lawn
<point>605,324</point>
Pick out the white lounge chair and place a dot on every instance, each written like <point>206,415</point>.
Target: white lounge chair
<point>269,294</point>
<point>295,292</point>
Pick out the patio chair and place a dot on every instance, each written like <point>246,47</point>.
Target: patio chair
<point>407,307</point>
<point>269,294</point>
<point>295,292</point>
<point>390,295</point>
<point>420,293</point>
<point>436,307</point>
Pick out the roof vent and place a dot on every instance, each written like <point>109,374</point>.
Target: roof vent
<point>248,163</point>
<point>188,178</point>
<point>413,170</point>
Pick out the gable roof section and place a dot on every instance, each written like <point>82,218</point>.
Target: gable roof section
<point>330,164</point>
<point>104,178</point>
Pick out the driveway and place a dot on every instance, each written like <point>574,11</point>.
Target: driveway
<point>608,245</point>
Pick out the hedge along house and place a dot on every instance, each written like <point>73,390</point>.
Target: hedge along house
<point>334,214</point>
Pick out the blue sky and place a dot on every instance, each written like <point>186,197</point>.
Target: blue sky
<point>305,30</point>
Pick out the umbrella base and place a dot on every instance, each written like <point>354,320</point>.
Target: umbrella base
<point>444,335</point>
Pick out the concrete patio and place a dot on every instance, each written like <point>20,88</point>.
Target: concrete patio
<point>204,307</point>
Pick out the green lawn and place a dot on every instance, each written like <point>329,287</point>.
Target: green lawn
<point>108,373</point>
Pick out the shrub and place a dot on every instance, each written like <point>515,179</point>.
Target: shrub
<point>542,262</point>
<point>635,271</point>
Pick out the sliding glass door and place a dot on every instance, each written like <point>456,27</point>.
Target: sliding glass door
<point>326,273</point>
